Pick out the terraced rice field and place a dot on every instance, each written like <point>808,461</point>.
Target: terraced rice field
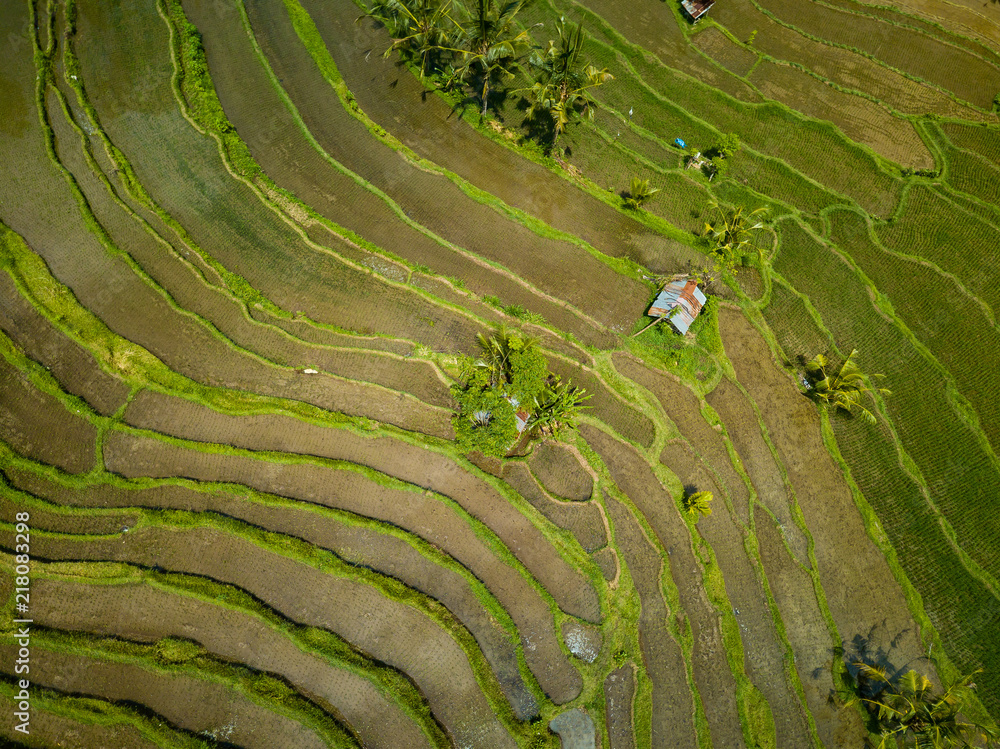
<point>243,255</point>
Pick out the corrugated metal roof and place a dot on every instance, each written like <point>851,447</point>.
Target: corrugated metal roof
<point>697,8</point>
<point>521,415</point>
<point>685,297</point>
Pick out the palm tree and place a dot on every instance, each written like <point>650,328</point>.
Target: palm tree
<point>488,44</point>
<point>732,233</point>
<point>699,503</point>
<point>910,709</point>
<point>563,80</point>
<point>497,351</point>
<point>557,408</point>
<point>639,192</point>
<point>844,387</point>
<point>420,27</point>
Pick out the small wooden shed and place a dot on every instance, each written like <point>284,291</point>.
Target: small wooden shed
<point>679,301</point>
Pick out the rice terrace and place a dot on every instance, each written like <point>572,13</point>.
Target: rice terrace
<point>573,374</point>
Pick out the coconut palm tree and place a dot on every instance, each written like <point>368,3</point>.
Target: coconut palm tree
<point>499,352</point>
<point>488,45</point>
<point>424,28</point>
<point>844,387</point>
<point>732,233</point>
<point>698,503</point>
<point>563,80</point>
<point>639,192</point>
<point>420,28</point>
<point>557,408</point>
<point>909,710</point>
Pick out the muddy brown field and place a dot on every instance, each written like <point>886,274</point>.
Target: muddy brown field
<point>249,258</point>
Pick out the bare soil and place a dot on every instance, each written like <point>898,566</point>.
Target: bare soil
<point>713,678</point>
<point>414,465</point>
<point>606,405</point>
<point>583,520</point>
<point>74,367</point>
<point>418,513</point>
<point>278,145</point>
<point>46,520</point>
<point>144,614</point>
<point>182,170</point>
<point>673,708</point>
<point>396,100</point>
<point>51,731</point>
<point>195,705</point>
<point>808,634</point>
<point>105,285</point>
<point>741,423</point>
<point>763,650</point>
<point>683,407</point>
<point>619,693</point>
<point>392,632</point>
<point>192,294</point>
<point>607,560</point>
<point>415,512</point>
<point>38,426</point>
<point>860,595</point>
<point>560,472</point>
<point>394,557</point>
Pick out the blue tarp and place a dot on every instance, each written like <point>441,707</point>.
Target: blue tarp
<point>680,143</point>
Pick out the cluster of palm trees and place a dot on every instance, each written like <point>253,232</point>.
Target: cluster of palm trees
<point>514,363</point>
<point>909,711</point>
<point>479,44</point>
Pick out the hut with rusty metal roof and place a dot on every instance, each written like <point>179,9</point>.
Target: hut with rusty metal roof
<point>695,9</point>
<point>680,302</point>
